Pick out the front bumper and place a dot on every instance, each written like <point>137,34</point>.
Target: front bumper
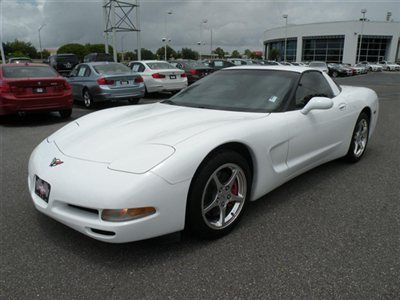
<point>81,189</point>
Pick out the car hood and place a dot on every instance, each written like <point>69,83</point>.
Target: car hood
<point>112,134</point>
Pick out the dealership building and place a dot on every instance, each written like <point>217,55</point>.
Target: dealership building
<point>335,42</point>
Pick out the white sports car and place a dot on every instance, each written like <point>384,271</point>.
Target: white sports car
<point>194,161</point>
<point>160,76</point>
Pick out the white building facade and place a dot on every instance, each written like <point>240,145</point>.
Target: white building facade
<point>335,42</point>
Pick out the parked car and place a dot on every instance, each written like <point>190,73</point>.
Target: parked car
<point>336,70</point>
<point>362,68</point>
<point>218,64</point>
<point>269,63</point>
<point>243,62</point>
<point>17,60</point>
<point>63,63</point>
<point>319,65</point>
<point>285,63</point>
<point>389,66</point>
<point>91,57</point>
<point>160,76</point>
<point>194,70</point>
<point>371,66</point>
<point>105,81</point>
<point>196,160</point>
<point>33,87</point>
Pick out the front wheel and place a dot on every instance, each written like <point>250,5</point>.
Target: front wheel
<point>218,195</point>
<point>359,139</point>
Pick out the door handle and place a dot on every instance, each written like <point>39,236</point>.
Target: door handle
<point>342,106</point>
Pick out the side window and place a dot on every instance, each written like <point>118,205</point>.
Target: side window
<point>312,84</point>
<point>87,72</point>
<point>81,71</point>
<point>74,72</point>
<point>135,67</point>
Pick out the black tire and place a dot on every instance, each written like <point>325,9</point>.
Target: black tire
<point>134,100</point>
<point>65,113</point>
<point>353,155</point>
<point>87,98</point>
<point>199,224</point>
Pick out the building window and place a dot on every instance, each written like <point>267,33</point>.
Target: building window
<point>373,48</point>
<point>323,48</point>
<point>276,49</point>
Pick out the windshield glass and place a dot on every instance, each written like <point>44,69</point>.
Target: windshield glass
<point>113,68</point>
<point>28,71</point>
<point>67,58</point>
<point>241,90</point>
<point>160,66</point>
<point>195,64</point>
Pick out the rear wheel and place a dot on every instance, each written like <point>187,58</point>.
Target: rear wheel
<point>134,100</point>
<point>218,195</point>
<point>359,139</point>
<point>65,113</point>
<point>87,99</point>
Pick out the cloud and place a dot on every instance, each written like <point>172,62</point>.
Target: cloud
<point>235,24</point>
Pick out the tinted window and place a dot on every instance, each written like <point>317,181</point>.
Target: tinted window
<point>312,84</point>
<point>160,66</point>
<point>25,71</point>
<point>67,58</point>
<point>242,90</point>
<point>112,68</point>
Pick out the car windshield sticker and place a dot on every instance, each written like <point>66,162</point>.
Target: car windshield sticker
<point>273,99</point>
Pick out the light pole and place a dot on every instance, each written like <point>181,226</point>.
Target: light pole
<point>40,41</point>
<point>201,35</point>
<point>3,58</point>
<point>122,47</point>
<point>363,11</point>
<point>284,55</point>
<point>166,34</point>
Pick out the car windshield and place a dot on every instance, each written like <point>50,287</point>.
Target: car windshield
<point>194,64</point>
<point>28,71</point>
<point>239,90</point>
<point>317,64</point>
<point>113,68</point>
<point>160,66</point>
<point>67,58</point>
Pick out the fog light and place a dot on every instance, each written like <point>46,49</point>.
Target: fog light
<point>126,214</point>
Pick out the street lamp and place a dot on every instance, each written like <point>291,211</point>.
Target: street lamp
<point>40,42</point>
<point>284,55</point>
<point>363,11</point>
<point>166,35</point>
<point>201,35</point>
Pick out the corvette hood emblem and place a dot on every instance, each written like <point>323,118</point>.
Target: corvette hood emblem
<point>56,162</point>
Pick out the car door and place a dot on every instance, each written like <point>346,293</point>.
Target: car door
<point>317,136</point>
<point>80,79</point>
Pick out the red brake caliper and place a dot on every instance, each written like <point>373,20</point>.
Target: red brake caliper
<point>234,191</point>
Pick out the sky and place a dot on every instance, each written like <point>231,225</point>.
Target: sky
<point>235,24</point>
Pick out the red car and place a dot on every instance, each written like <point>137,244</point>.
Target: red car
<point>33,87</point>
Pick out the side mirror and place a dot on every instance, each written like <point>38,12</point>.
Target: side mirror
<point>317,103</point>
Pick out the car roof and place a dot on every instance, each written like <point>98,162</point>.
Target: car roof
<point>296,69</point>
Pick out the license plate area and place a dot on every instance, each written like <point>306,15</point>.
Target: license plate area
<point>39,90</point>
<point>172,76</point>
<point>42,188</point>
<point>124,82</point>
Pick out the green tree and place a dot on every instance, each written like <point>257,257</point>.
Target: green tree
<point>45,54</point>
<point>97,48</point>
<point>77,49</point>
<point>188,53</point>
<point>171,53</point>
<point>19,48</point>
<point>248,53</point>
<point>147,54</point>
<point>235,54</point>
<point>274,54</point>
<point>220,52</point>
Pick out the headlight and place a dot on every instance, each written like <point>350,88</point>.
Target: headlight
<point>126,214</point>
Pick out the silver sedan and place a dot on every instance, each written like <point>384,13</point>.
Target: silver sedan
<point>105,81</point>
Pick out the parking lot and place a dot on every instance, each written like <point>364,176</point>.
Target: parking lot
<point>333,232</point>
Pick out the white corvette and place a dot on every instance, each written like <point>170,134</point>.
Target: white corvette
<point>193,162</point>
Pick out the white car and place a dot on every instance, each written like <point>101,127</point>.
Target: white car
<point>372,67</point>
<point>319,65</point>
<point>194,161</point>
<point>389,66</point>
<point>160,76</point>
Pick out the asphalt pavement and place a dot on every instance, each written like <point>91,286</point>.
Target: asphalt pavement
<point>331,233</point>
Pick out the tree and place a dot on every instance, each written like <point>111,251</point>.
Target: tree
<point>97,48</point>
<point>45,54</point>
<point>235,54</point>
<point>77,49</point>
<point>248,53</point>
<point>19,48</point>
<point>147,54</point>
<point>274,54</point>
<point>171,53</point>
<point>188,53</point>
<point>220,52</point>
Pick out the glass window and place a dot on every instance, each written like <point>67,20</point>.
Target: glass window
<point>28,71</point>
<point>111,68</point>
<point>230,90</point>
<point>160,66</point>
<point>328,49</point>
<point>312,84</point>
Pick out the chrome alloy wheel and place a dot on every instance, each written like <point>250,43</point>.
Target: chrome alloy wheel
<point>224,196</point>
<point>86,98</point>
<point>360,137</point>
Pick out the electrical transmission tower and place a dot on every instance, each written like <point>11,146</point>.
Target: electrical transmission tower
<point>121,16</point>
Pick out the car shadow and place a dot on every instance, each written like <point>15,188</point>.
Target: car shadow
<point>33,119</point>
<point>140,254</point>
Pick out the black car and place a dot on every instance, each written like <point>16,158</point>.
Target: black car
<point>218,64</point>
<point>194,70</point>
<point>98,57</point>
<point>336,70</point>
<point>63,63</point>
